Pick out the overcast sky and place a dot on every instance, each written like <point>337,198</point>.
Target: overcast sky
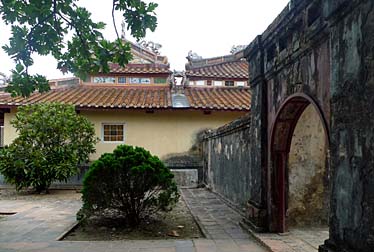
<point>208,27</point>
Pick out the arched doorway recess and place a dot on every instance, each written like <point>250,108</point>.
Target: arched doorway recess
<point>299,170</point>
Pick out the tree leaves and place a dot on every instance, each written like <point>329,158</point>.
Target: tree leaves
<point>52,141</point>
<point>129,181</point>
<point>24,84</point>
<point>41,27</point>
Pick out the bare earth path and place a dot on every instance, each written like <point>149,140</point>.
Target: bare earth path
<point>41,219</point>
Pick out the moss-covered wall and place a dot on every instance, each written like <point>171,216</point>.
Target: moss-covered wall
<point>227,169</point>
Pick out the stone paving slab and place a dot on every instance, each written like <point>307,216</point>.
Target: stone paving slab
<point>219,222</point>
<point>36,220</point>
<point>296,240</point>
<point>38,223</point>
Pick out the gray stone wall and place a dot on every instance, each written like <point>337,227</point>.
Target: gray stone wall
<point>186,167</point>
<point>227,169</point>
<point>352,124</point>
<point>321,50</point>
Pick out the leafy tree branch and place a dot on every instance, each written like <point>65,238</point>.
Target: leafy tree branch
<point>42,27</point>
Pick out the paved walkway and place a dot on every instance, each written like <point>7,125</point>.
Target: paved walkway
<point>297,240</point>
<point>39,221</point>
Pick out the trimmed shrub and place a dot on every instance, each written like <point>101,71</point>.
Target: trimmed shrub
<point>129,181</point>
<point>52,141</point>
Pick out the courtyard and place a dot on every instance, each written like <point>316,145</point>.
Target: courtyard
<point>274,140</point>
<point>39,222</point>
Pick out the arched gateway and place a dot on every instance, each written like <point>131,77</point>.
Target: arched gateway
<point>299,164</point>
<point>317,57</point>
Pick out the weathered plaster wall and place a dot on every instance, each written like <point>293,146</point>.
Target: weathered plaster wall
<point>258,138</point>
<point>227,169</point>
<point>163,132</point>
<point>257,201</point>
<point>307,181</point>
<point>352,124</point>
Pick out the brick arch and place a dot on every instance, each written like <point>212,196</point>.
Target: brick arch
<point>281,133</point>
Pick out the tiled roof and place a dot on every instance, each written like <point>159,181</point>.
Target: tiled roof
<point>222,98</point>
<point>100,97</point>
<point>140,69</point>
<point>235,69</point>
<point>89,96</point>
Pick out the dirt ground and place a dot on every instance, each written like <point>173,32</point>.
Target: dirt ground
<point>176,224</point>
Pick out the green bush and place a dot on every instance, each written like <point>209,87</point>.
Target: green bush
<point>52,141</point>
<point>129,181</point>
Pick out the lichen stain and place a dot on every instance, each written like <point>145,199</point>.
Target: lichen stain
<point>307,196</point>
<point>310,210</point>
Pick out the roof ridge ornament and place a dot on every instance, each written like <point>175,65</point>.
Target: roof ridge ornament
<point>237,48</point>
<point>123,30</point>
<point>4,79</point>
<point>193,56</point>
<point>150,45</point>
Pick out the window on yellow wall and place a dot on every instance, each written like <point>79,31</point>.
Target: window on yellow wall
<point>113,132</point>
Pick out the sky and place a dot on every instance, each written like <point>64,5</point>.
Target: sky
<point>208,27</point>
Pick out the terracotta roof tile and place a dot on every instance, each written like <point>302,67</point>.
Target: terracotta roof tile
<point>223,98</point>
<point>236,69</point>
<point>89,96</point>
<point>99,97</point>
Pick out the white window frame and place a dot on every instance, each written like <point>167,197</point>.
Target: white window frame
<point>113,123</point>
<point>218,83</point>
<point>104,77</point>
<point>148,82</point>
<point>200,83</point>
<point>240,84</point>
<point>140,80</point>
<point>132,80</point>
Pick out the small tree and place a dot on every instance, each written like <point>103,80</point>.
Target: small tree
<point>129,181</point>
<point>53,140</point>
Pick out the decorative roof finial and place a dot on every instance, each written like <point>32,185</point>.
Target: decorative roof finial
<point>193,56</point>
<point>3,79</point>
<point>123,30</point>
<point>238,48</point>
<point>150,45</point>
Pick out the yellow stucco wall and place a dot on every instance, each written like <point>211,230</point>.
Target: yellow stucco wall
<point>9,131</point>
<point>162,133</point>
